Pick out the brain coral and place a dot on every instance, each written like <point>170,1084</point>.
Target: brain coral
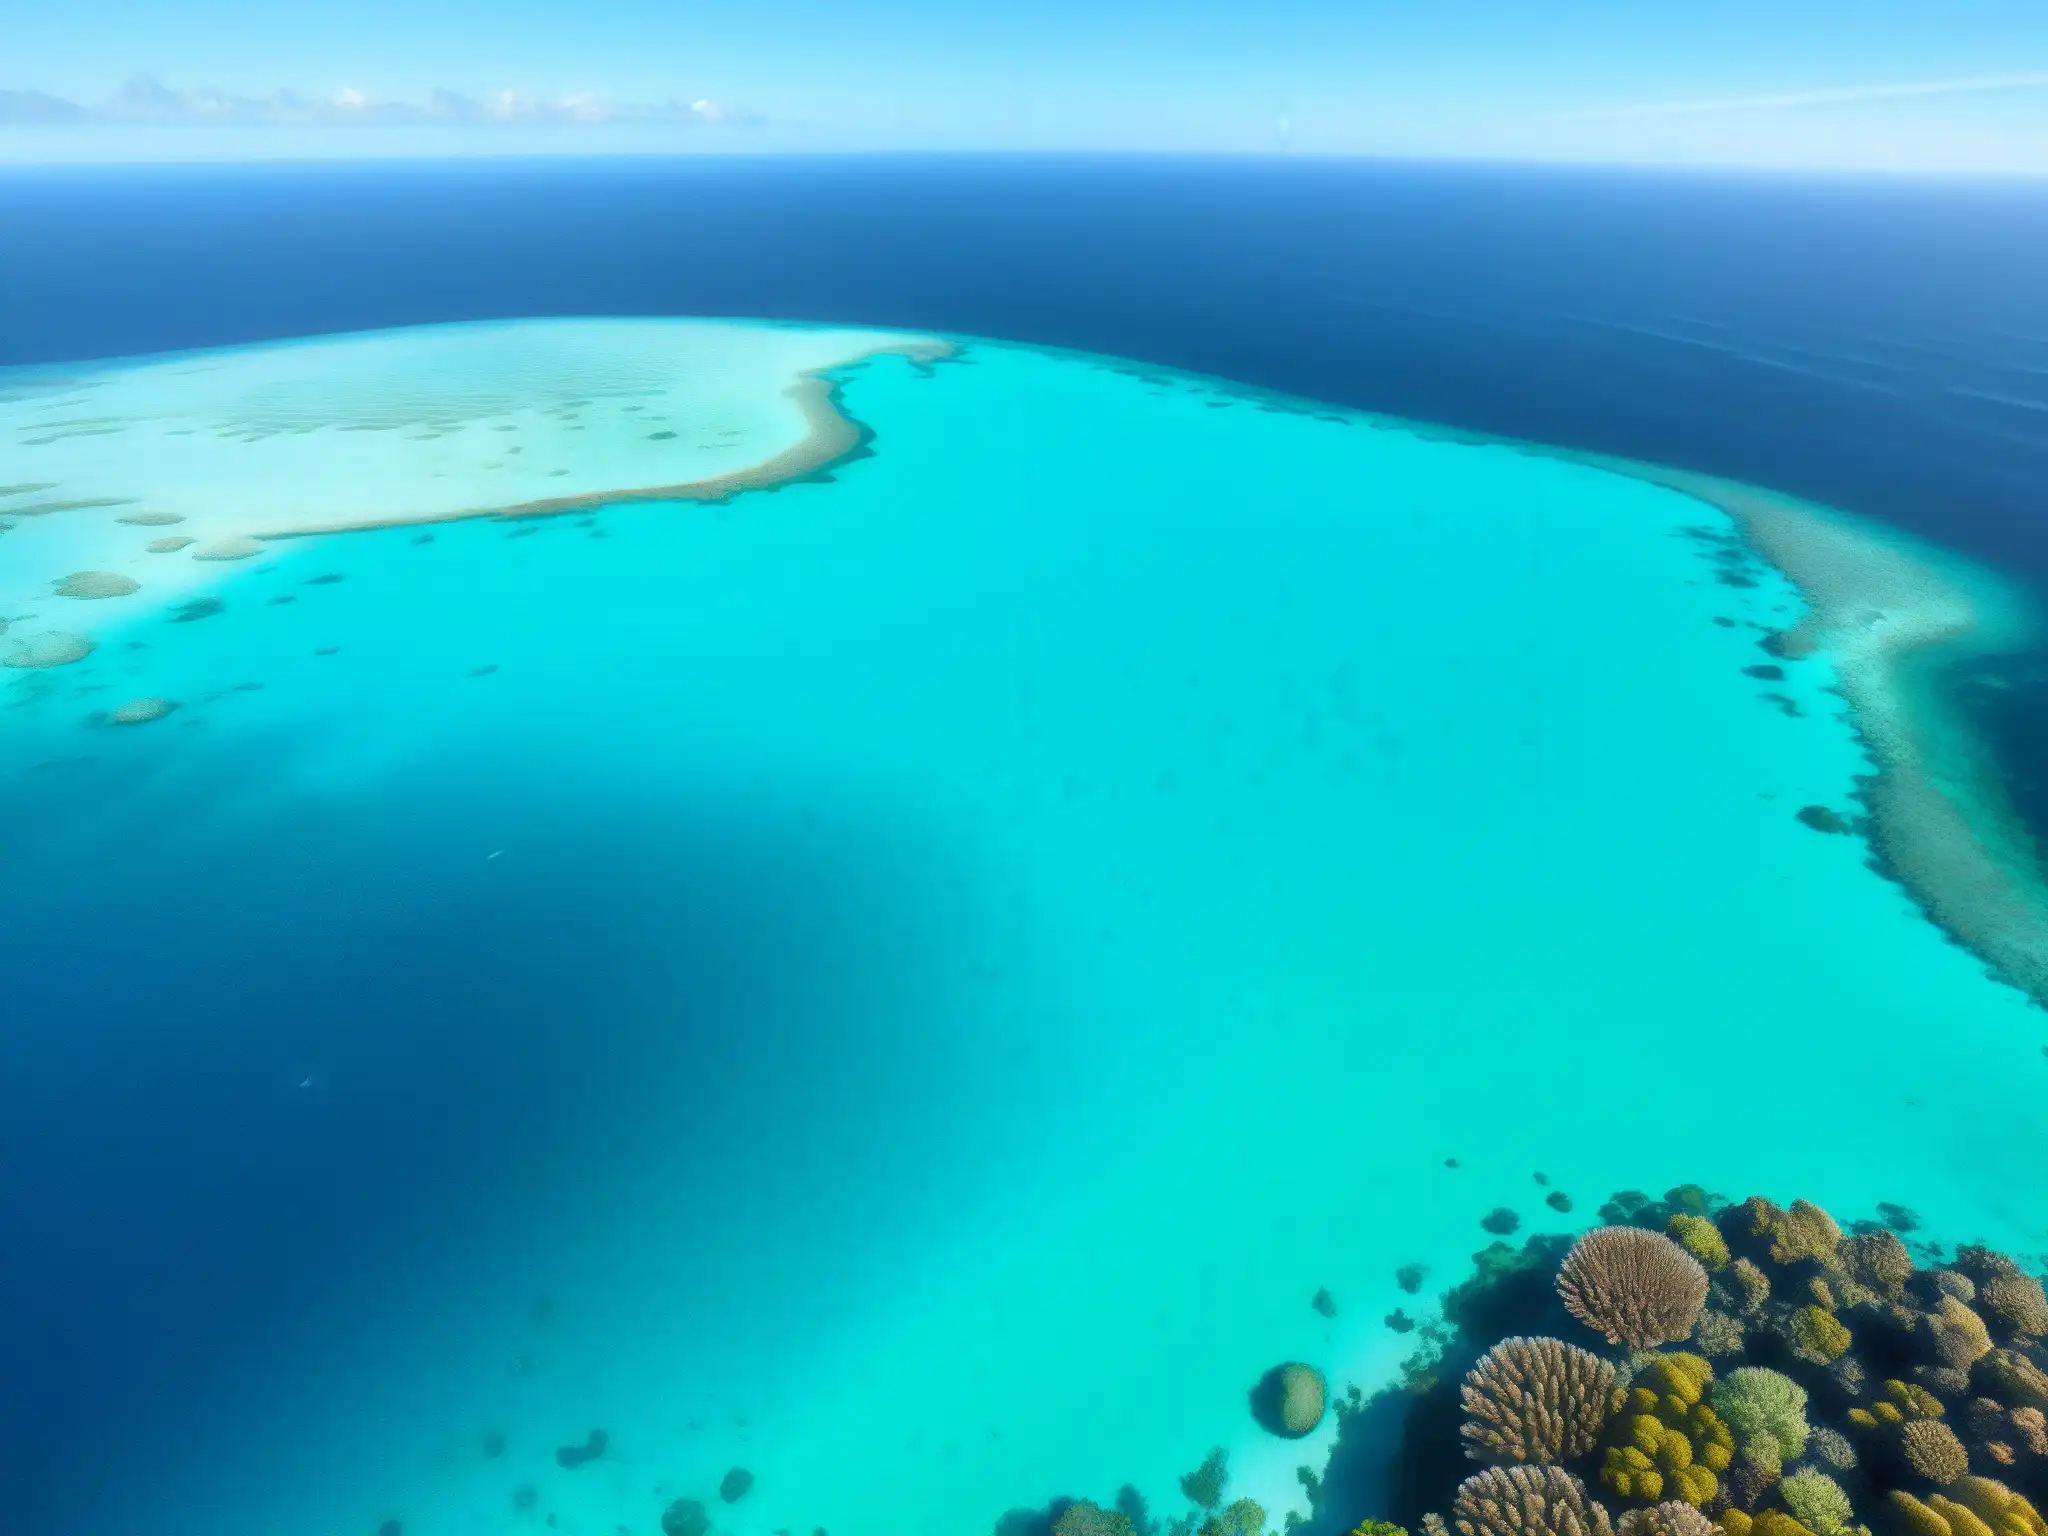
<point>1758,1403</point>
<point>1537,1400</point>
<point>1672,1518</point>
<point>2018,1304</point>
<point>1637,1287</point>
<point>1817,1500</point>
<point>1668,1443</point>
<point>1932,1450</point>
<point>1527,1501</point>
<point>1958,1334</point>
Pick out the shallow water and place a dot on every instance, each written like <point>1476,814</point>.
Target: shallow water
<point>910,982</point>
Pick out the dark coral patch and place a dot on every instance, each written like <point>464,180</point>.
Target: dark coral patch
<point>569,1457</point>
<point>1821,819</point>
<point>1500,1221</point>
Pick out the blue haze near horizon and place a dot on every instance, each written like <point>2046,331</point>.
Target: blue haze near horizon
<point>1875,344</point>
<point>1877,347</point>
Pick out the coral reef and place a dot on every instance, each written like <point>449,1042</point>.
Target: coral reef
<point>97,584</point>
<point>685,1517</point>
<point>1289,1399</point>
<point>735,1485</point>
<point>1959,1335</point>
<point>237,548</point>
<point>2017,1303</point>
<point>1758,1403</point>
<point>1932,1450</point>
<point>1204,1485</point>
<point>1835,1382</point>
<point>1633,1286</point>
<point>1245,1517</point>
<point>1527,1501</point>
<point>1671,1519</point>
<point>140,711</point>
<point>1085,1519</point>
<point>1817,1500</point>
<point>1700,1238</point>
<point>1536,1400</point>
<point>1816,1334</point>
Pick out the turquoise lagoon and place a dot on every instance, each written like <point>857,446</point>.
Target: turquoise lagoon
<point>1046,882</point>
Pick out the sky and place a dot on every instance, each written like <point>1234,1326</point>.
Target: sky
<point>1878,85</point>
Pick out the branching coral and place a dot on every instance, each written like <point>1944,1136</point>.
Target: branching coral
<point>1752,1285</point>
<point>2013,1379</point>
<point>1700,1238</point>
<point>1917,1518</point>
<point>1527,1501</point>
<point>1668,1443</point>
<point>2030,1429</point>
<point>1932,1450</point>
<point>1976,1506</point>
<point>1536,1400</point>
<point>2018,1304</point>
<point>1775,1522</point>
<point>2006,1512</point>
<point>1899,1402</point>
<point>1878,1260</point>
<point>1833,1448</point>
<point>1817,1500</point>
<point>1671,1518</point>
<point>1247,1517</point>
<point>1636,1287</point>
<point>1763,1404</point>
<point>1958,1334</point>
<point>1817,1335</point>
<point>1803,1232</point>
<point>1718,1334</point>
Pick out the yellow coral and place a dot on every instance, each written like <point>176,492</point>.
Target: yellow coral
<point>2006,1512</point>
<point>1818,1335</point>
<point>1700,1238</point>
<point>1667,1443</point>
<point>1775,1522</point>
<point>1735,1522</point>
<point>1962,1521</point>
<point>1909,1401</point>
<point>1916,1519</point>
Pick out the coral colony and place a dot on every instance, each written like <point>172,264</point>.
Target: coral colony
<point>1714,1370</point>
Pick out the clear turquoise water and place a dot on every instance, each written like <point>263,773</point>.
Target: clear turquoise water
<point>910,983</point>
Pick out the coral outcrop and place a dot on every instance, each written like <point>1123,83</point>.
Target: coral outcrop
<point>1527,1501</point>
<point>1633,1286</point>
<point>1536,1400</point>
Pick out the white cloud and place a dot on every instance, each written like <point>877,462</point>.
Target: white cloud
<point>1969,85</point>
<point>145,100</point>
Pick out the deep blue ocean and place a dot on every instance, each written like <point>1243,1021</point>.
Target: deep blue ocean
<point>1877,345</point>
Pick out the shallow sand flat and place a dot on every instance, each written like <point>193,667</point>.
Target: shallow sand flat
<point>1131,872</point>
